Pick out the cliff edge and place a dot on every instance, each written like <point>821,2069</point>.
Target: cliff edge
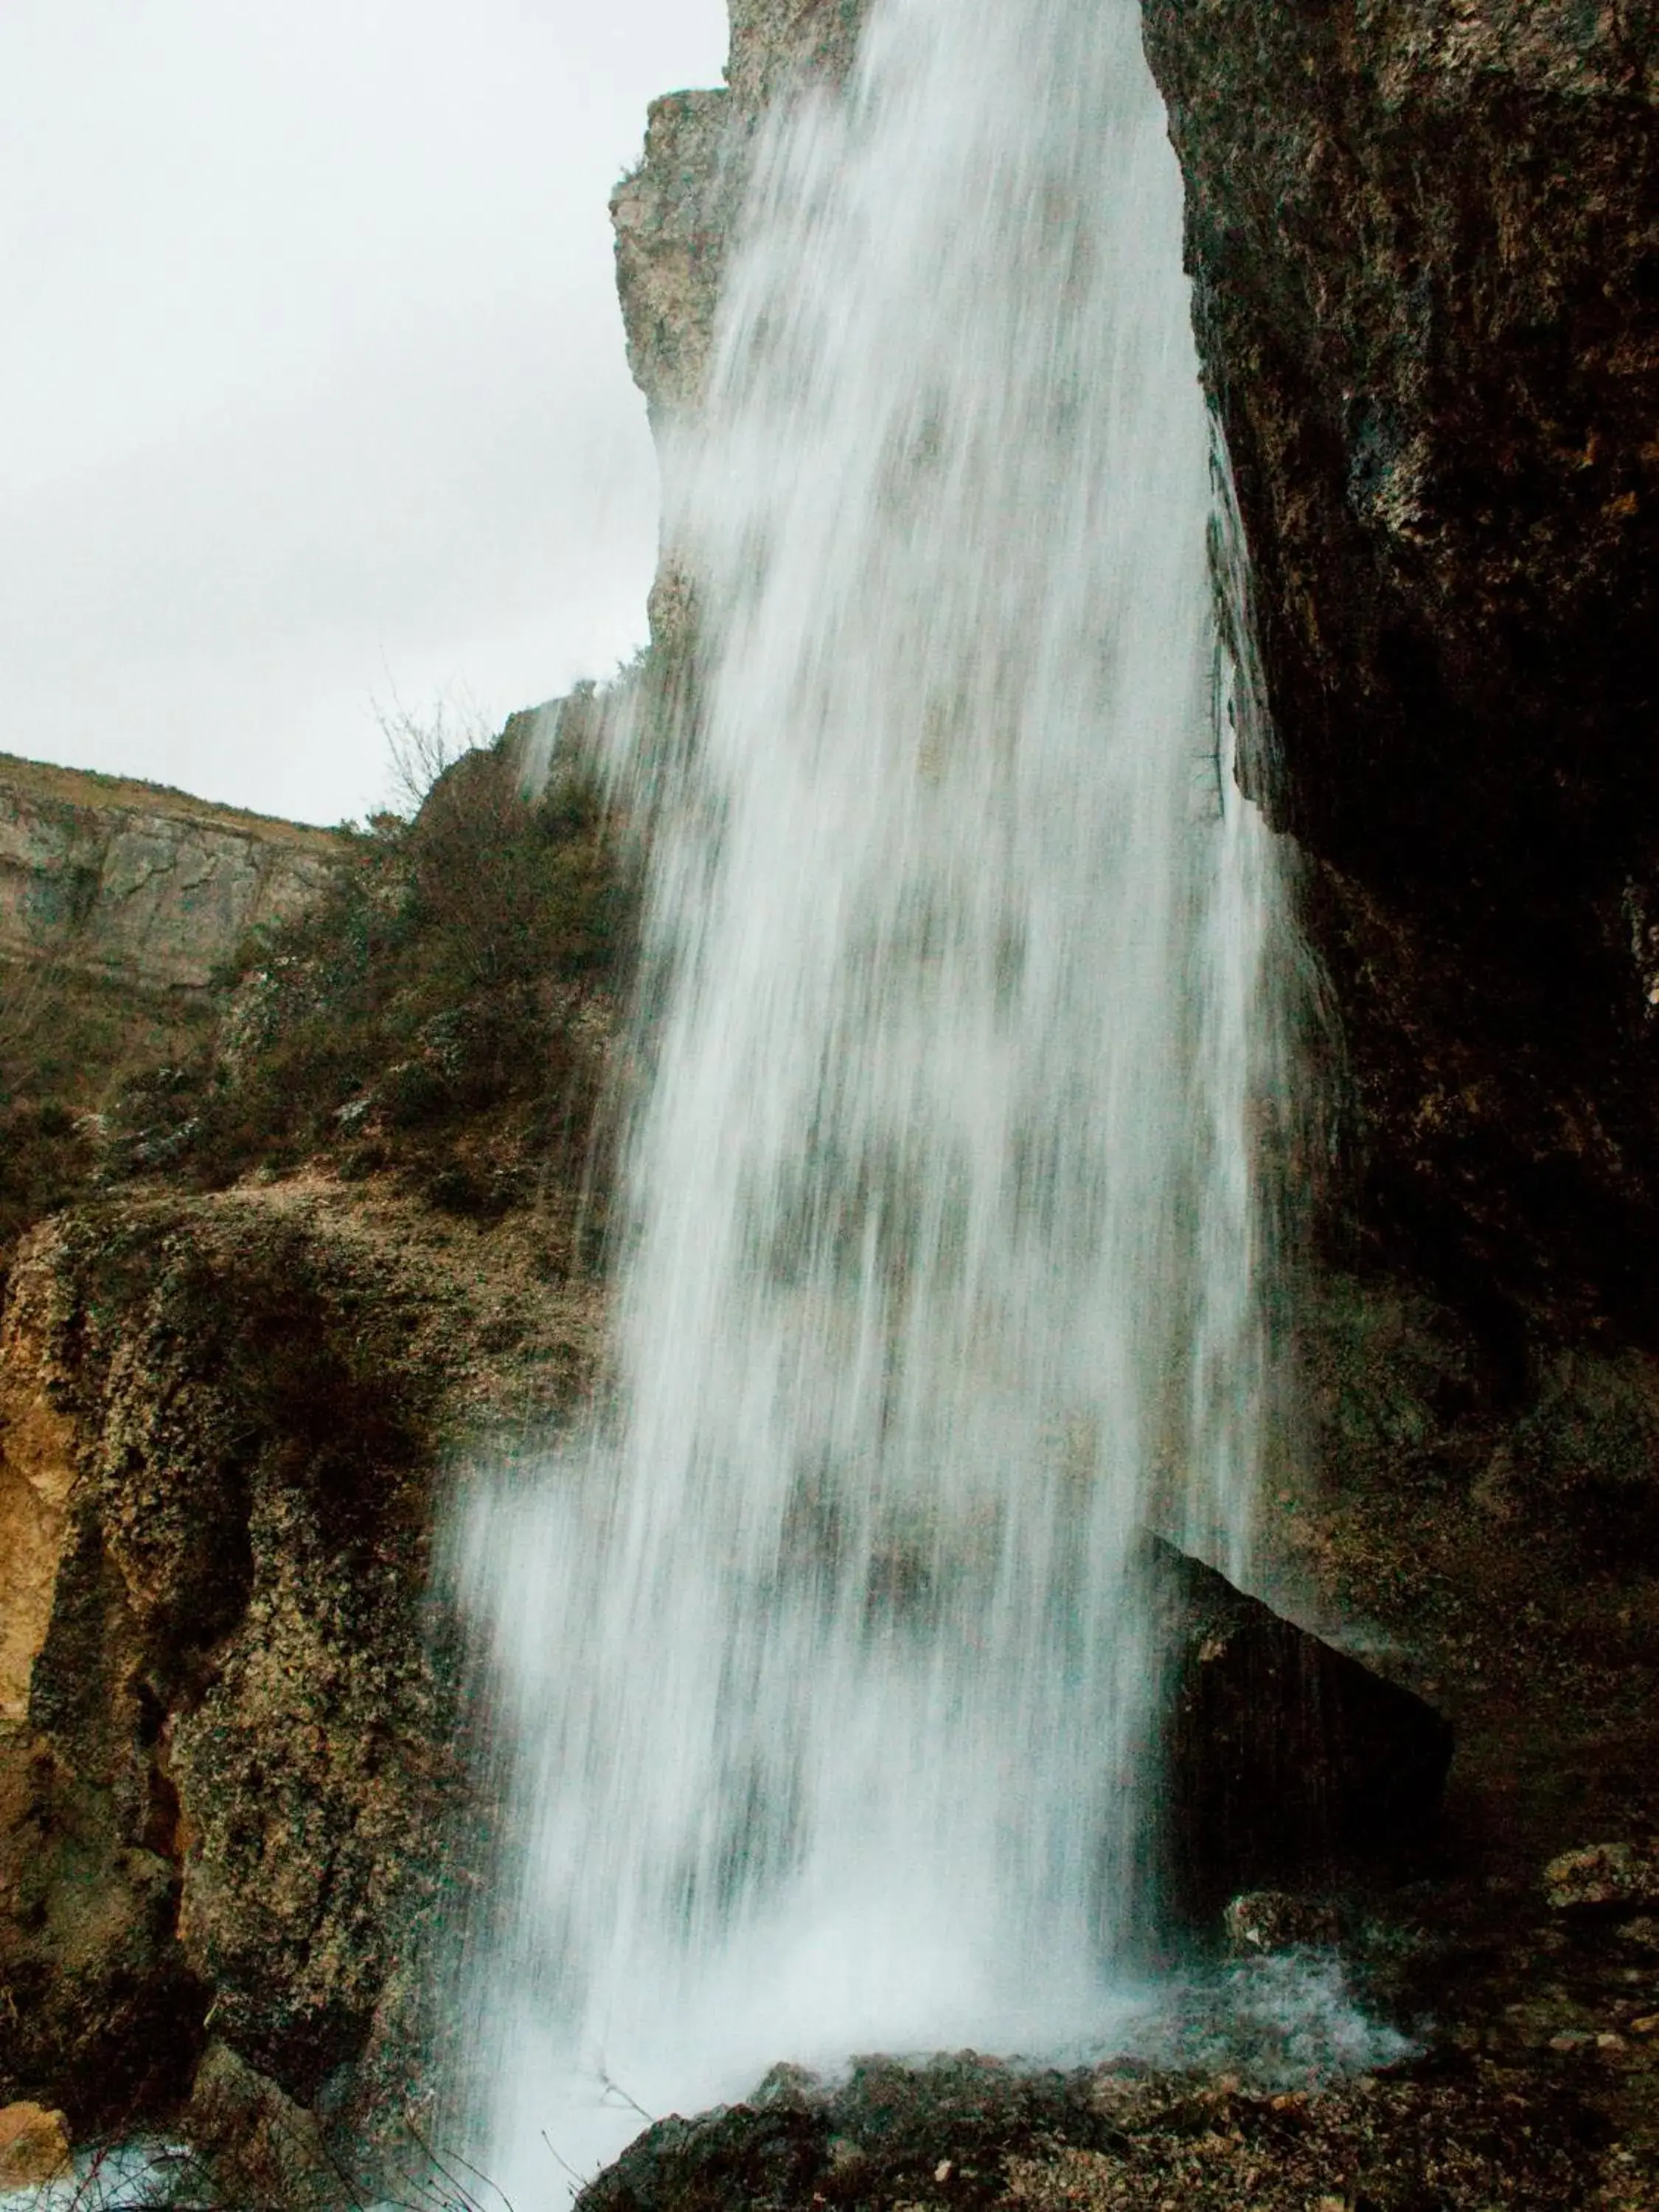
<point>134,882</point>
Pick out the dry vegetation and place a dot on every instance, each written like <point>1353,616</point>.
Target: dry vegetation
<point>442,1013</point>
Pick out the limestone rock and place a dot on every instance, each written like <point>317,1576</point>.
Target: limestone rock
<point>36,1474</point>
<point>778,43</point>
<point>130,881</point>
<point>675,216</point>
<point>34,2146</point>
<point>224,1785</point>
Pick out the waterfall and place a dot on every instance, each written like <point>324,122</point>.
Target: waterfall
<point>821,1658</point>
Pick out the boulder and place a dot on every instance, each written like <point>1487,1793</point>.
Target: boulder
<point>259,2146</point>
<point>1287,1763</point>
<point>1263,1921</point>
<point>34,2146</point>
<point>891,2133</point>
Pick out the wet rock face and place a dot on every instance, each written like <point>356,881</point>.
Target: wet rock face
<point>883,2138</point>
<point>966,2134</point>
<point>1424,237</point>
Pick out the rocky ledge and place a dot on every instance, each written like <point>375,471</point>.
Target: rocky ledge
<point>1423,241</point>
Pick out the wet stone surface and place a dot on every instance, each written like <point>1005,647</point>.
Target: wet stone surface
<point>1449,2132</point>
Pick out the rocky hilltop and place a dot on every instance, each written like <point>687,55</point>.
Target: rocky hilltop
<point>120,903</point>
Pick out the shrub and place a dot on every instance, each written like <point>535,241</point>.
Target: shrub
<point>461,964</point>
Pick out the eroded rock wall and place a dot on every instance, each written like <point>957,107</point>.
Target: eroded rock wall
<point>675,214</point>
<point>228,1748</point>
<point>134,883</point>
<point>1424,239</point>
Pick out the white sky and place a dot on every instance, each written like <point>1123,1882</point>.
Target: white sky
<point>312,398</point>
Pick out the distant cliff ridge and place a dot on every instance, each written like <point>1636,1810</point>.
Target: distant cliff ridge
<point>133,881</point>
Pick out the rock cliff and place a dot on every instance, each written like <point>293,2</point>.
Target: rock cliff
<point>675,214</point>
<point>227,1711</point>
<point>119,901</point>
<point>142,885</point>
<point>1422,234</point>
<point>1423,241</point>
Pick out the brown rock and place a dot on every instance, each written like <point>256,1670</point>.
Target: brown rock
<point>263,2147</point>
<point>38,1470</point>
<point>1421,236</point>
<point>34,2146</point>
<point>1261,1921</point>
<point>1603,1875</point>
<point>227,1785</point>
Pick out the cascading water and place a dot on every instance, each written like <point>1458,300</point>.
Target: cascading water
<point>822,1660</point>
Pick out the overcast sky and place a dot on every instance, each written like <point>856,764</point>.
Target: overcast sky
<point>312,399</point>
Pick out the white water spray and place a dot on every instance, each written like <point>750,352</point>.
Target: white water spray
<point>823,1660</point>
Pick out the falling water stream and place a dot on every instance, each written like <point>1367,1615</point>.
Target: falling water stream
<point>821,1656</point>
